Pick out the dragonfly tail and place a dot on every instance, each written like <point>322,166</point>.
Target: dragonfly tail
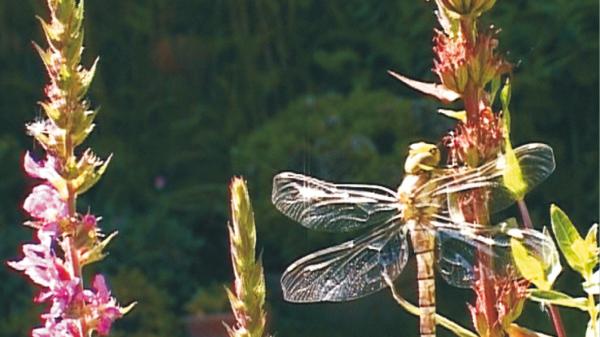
<point>423,246</point>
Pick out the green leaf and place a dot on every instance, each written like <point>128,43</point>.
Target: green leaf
<point>97,252</point>
<point>581,255</point>
<point>91,170</point>
<point>591,240</point>
<point>592,286</point>
<point>459,115</point>
<point>505,100</point>
<point>128,308</point>
<point>592,236</point>
<point>557,298</point>
<point>438,91</point>
<point>530,267</point>
<point>513,175</point>
<point>593,329</point>
<point>517,331</point>
<point>494,90</point>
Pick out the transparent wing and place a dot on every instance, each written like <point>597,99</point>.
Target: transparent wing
<point>461,248</point>
<point>331,207</point>
<point>347,271</point>
<point>535,160</point>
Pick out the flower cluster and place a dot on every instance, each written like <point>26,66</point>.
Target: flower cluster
<point>469,144</point>
<point>66,239</point>
<point>73,310</point>
<point>458,62</point>
<point>507,296</point>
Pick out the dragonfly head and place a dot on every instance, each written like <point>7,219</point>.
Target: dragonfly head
<point>421,157</point>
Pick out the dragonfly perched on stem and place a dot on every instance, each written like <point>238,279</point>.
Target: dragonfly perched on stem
<point>423,209</point>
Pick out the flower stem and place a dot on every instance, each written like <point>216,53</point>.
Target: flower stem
<point>554,314</point>
<point>525,214</point>
<point>557,321</point>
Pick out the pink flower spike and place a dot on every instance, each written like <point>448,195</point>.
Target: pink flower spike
<point>44,203</point>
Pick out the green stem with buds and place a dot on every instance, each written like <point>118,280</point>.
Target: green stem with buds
<point>248,298</point>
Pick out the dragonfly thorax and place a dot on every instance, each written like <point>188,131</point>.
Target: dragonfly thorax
<point>406,196</point>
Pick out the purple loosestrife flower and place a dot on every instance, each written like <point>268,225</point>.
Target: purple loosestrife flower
<point>103,309</point>
<point>40,263</point>
<point>63,328</point>
<point>67,240</point>
<point>45,205</point>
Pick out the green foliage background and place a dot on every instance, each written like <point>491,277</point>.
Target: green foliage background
<point>193,92</point>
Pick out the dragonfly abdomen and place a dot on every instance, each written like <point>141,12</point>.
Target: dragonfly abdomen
<point>423,246</point>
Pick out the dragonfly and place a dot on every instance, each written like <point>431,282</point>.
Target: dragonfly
<point>420,210</point>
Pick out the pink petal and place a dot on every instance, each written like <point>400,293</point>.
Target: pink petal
<point>43,169</point>
<point>44,203</point>
<point>31,166</point>
<point>102,291</point>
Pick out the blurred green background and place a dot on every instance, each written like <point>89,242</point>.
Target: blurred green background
<point>193,92</point>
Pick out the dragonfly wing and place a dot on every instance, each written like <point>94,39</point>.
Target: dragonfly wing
<point>461,247</point>
<point>347,271</point>
<point>321,205</point>
<point>536,162</point>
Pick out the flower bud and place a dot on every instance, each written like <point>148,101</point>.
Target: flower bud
<point>458,63</point>
<point>484,64</point>
<point>467,7</point>
<point>450,63</point>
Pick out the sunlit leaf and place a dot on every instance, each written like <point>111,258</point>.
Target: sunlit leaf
<point>494,89</point>
<point>592,286</point>
<point>530,267</point>
<point>505,100</point>
<point>517,331</point>
<point>591,240</point>
<point>128,308</point>
<point>459,115</point>
<point>513,175</point>
<point>438,91</point>
<point>557,298</point>
<point>97,252</point>
<point>581,255</point>
<point>593,329</point>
